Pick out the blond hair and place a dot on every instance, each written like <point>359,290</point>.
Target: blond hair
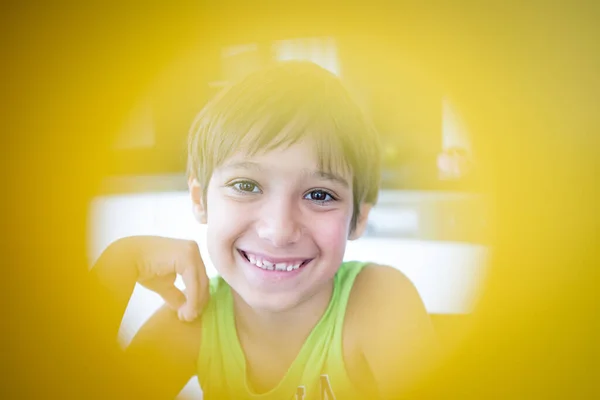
<point>278,106</point>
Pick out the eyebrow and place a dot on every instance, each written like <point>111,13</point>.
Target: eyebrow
<point>322,175</point>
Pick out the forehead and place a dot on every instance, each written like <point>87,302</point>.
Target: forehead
<point>301,158</point>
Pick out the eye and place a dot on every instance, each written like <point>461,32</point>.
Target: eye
<point>319,196</point>
<point>245,186</point>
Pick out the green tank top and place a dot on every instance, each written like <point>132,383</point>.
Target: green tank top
<point>318,372</point>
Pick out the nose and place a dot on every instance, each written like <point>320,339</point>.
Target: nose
<point>279,222</point>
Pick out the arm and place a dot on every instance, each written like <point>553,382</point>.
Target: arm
<point>396,334</point>
<point>163,354</point>
<point>154,262</point>
<point>114,277</point>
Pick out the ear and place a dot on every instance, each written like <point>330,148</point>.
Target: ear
<point>361,222</point>
<point>198,206</point>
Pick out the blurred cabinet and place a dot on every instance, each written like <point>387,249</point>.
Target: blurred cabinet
<point>438,216</point>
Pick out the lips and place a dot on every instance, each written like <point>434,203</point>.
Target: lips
<point>274,263</point>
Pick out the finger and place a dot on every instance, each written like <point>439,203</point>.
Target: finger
<point>191,310</point>
<point>194,274</point>
<point>173,297</point>
<point>203,293</point>
<point>192,304</point>
<point>188,312</point>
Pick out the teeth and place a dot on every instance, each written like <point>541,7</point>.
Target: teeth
<point>280,267</point>
<point>268,265</point>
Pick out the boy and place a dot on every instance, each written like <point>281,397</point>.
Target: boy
<point>283,169</point>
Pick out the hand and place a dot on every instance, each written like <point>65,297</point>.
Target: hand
<point>159,260</point>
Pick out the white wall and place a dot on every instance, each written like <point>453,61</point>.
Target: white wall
<point>447,275</point>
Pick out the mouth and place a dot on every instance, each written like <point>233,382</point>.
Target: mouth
<point>274,264</point>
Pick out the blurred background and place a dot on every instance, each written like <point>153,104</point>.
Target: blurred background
<point>520,77</point>
<point>431,221</point>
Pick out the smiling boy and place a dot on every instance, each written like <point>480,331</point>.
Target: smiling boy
<point>283,170</point>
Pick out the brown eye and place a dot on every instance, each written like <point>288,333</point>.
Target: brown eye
<point>246,186</point>
<point>319,196</point>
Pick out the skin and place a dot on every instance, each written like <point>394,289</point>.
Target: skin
<point>276,204</point>
<point>279,205</point>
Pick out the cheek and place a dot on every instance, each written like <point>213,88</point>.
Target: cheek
<point>224,223</point>
<point>330,232</point>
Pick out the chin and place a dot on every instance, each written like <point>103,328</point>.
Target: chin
<point>271,302</point>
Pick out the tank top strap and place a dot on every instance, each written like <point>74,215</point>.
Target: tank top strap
<point>345,281</point>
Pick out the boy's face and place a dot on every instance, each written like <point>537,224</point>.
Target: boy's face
<point>277,226</point>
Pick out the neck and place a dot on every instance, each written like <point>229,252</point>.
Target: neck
<point>293,324</point>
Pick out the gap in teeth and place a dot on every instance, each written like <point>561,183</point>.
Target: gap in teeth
<point>268,265</point>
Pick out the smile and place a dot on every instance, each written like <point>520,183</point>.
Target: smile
<point>274,264</point>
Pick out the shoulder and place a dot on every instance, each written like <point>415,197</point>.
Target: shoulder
<point>390,324</point>
<point>380,278</point>
<point>384,300</point>
<point>383,289</point>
